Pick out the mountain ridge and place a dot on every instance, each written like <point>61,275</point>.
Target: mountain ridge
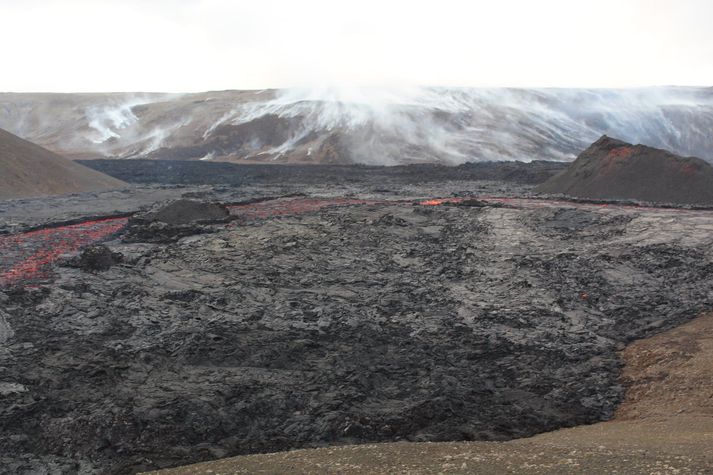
<point>371,126</point>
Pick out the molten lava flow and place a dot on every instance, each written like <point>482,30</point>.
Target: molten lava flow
<point>27,256</point>
<point>441,201</point>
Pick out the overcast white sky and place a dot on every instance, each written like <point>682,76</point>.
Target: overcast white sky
<point>196,45</point>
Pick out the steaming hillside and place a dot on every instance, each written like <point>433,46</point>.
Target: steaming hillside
<point>364,126</point>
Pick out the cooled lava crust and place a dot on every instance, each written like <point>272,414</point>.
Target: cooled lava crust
<point>357,323</point>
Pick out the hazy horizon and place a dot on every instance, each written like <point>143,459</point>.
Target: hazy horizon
<point>372,87</point>
<point>185,46</point>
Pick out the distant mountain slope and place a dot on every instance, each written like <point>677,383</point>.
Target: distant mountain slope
<point>613,169</point>
<point>28,170</point>
<point>371,126</point>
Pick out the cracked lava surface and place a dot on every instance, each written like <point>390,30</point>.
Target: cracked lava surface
<point>28,256</point>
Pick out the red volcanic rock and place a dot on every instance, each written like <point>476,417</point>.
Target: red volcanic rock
<point>612,169</point>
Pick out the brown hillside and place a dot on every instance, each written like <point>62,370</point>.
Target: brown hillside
<point>612,169</point>
<point>28,170</point>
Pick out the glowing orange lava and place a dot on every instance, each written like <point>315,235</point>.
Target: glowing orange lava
<point>440,201</point>
<point>27,256</point>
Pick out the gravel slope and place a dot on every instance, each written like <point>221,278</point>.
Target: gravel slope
<point>28,170</point>
<point>612,169</point>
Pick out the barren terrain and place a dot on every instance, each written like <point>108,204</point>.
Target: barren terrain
<point>360,312</point>
<point>610,168</point>
<point>28,170</point>
<point>664,425</point>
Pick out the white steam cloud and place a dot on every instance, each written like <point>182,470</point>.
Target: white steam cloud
<point>365,124</point>
<point>109,120</point>
<point>388,126</point>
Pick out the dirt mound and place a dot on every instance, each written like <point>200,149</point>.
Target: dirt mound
<point>187,211</point>
<point>612,169</point>
<point>28,170</point>
<point>175,220</point>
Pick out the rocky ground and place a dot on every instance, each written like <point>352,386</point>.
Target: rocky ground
<point>663,426</point>
<point>186,172</point>
<point>31,213</point>
<point>372,322</point>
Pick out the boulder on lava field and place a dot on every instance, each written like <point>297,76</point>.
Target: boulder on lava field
<point>175,220</point>
<point>185,212</point>
<point>96,258</point>
<point>611,169</point>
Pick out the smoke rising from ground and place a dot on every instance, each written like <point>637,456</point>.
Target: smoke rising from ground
<point>365,125</point>
<point>455,125</point>
<point>108,121</point>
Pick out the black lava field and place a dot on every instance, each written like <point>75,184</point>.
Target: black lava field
<point>375,308</point>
